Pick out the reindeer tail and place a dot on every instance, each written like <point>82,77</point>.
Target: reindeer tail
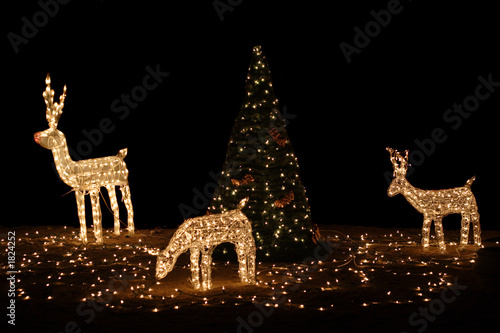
<point>242,203</point>
<point>122,153</point>
<point>470,181</point>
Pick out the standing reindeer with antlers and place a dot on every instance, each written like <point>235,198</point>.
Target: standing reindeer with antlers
<point>86,176</point>
<point>435,204</point>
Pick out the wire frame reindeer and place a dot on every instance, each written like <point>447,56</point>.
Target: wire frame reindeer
<point>201,235</point>
<point>86,176</point>
<point>435,204</point>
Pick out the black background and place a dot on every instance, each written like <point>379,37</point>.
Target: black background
<point>395,91</point>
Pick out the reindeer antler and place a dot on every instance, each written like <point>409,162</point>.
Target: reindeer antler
<point>54,110</point>
<point>399,163</point>
<point>391,152</point>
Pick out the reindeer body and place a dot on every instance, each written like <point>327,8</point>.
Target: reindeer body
<point>201,235</point>
<point>436,204</point>
<point>86,176</point>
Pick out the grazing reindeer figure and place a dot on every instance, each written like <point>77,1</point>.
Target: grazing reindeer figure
<point>86,176</point>
<point>203,234</point>
<point>435,204</point>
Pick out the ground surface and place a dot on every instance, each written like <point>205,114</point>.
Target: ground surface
<point>367,280</point>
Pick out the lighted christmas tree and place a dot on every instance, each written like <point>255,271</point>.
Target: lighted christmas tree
<point>260,164</point>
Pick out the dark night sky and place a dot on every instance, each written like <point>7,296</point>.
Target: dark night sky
<point>394,91</point>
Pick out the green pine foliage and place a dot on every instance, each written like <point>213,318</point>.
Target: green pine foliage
<point>260,164</point>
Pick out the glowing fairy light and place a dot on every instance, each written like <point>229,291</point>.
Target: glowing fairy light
<point>201,235</point>
<point>86,176</point>
<point>436,204</point>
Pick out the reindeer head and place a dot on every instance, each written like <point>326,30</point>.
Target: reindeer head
<point>400,166</point>
<point>51,138</point>
<point>164,265</point>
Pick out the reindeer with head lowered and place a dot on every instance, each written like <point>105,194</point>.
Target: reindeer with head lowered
<point>436,204</point>
<point>86,176</point>
<point>200,235</point>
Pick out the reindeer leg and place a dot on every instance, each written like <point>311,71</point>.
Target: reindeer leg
<point>130,210</point>
<point>425,232</point>
<point>114,207</point>
<point>438,226</point>
<point>464,232</point>
<point>96,214</point>
<point>210,267</point>
<point>195,267</point>
<point>80,202</point>
<point>242,260</point>
<point>251,263</point>
<point>477,228</point>
<point>247,262</point>
<point>206,268</point>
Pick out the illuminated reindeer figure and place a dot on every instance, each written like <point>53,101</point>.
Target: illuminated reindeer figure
<point>435,204</point>
<point>203,234</point>
<point>86,176</point>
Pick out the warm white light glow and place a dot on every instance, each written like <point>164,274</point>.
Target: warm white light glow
<point>86,176</point>
<point>201,235</point>
<point>436,204</point>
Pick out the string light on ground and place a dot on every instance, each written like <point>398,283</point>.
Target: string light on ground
<point>412,277</point>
